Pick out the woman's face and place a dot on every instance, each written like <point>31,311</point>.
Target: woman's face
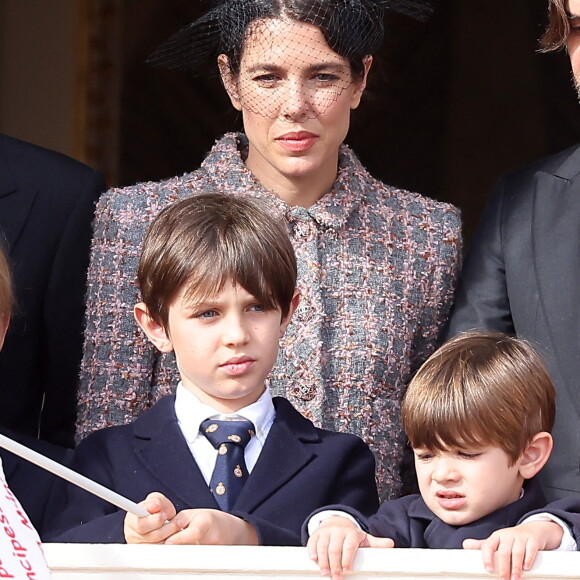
<point>295,94</point>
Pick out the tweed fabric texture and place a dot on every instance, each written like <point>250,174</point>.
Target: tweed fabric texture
<point>377,268</point>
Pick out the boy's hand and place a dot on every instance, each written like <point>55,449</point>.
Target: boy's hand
<point>208,526</point>
<point>334,544</point>
<point>516,547</point>
<point>152,529</point>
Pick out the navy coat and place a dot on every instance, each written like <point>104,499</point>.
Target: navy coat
<point>47,203</point>
<point>299,469</point>
<point>522,276</point>
<point>411,524</point>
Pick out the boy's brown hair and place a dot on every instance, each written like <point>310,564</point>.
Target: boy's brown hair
<point>203,242</point>
<point>6,290</point>
<point>478,389</point>
<point>558,28</point>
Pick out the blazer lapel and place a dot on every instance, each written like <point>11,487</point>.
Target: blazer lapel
<point>161,447</point>
<point>283,456</point>
<point>556,211</point>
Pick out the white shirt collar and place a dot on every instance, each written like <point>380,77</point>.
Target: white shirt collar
<point>191,412</point>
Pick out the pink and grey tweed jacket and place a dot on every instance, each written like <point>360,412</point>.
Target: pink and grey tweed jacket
<point>377,272</point>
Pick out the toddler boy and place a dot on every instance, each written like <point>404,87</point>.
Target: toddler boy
<point>478,415</point>
<point>217,277</point>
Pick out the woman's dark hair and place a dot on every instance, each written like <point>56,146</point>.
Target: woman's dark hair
<point>352,28</point>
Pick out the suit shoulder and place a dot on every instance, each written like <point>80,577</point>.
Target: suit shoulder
<point>152,419</point>
<point>565,164</point>
<point>306,430</point>
<point>25,158</point>
<point>514,191</point>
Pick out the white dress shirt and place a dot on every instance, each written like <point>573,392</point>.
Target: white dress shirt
<point>191,412</point>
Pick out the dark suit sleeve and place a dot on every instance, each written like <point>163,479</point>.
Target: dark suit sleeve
<point>31,484</point>
<point>75,515</point>
<point>568,510</point>
<point>390,521</point>
<point>354,487</point>
<point>64,313</point>
<point>482,299</point>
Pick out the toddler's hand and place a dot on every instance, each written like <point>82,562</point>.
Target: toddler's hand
<point>334,544</point>
<point>516,547</point>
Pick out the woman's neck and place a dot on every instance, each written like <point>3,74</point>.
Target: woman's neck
<point>302,190</point>
<point>299,192</point>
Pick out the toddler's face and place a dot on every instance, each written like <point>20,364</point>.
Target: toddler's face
<point>463,485</point>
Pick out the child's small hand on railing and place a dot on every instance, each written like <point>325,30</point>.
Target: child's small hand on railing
<point>511,551</point>
<point>335,542</point>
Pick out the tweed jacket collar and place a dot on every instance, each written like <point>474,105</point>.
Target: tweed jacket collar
<point>225,165</point>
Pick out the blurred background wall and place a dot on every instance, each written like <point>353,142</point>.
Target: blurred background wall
<point>453,103</point>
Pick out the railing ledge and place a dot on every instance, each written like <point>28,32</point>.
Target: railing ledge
<point>154,562</point>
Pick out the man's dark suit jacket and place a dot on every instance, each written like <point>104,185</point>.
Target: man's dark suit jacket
<point>299,469</point>
<point>522,276</point>
<point>47,203</point>
<point>411,524</point>
<point>31,484</point>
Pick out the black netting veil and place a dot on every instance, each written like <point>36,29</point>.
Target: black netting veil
<point>287,59</point>
<point>352,28</point>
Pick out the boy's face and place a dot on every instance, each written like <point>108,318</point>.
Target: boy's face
<point>463,485</point>
<point>224,346</point>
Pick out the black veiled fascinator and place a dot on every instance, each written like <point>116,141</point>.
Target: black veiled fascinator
<point>352,28</point>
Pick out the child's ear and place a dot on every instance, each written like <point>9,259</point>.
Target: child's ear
<point>229,80</point>
<point>536,454</point>
<point>286,319</point>
<point>154,330</point>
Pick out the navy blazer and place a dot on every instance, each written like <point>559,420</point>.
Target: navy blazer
<point>47,202</point>
<point>299,469</point>
<point>411,524</point>
<point>522,276</point>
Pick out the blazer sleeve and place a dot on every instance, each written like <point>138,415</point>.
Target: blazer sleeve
<point>75,515</point>
<point>64,312</point>
<point>568,510</point>
<point>355,487</point>
<point>390,521</point>
<point>482,300</point>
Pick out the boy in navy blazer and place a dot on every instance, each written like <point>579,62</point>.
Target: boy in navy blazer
<point>217,277</point>
<point>478,415</point>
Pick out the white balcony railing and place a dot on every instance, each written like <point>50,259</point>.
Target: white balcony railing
<point>144,562</point>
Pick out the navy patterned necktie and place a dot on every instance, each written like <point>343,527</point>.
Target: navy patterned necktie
<point>230,473</point>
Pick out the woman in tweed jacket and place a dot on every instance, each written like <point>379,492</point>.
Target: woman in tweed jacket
<point>377,265</point>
